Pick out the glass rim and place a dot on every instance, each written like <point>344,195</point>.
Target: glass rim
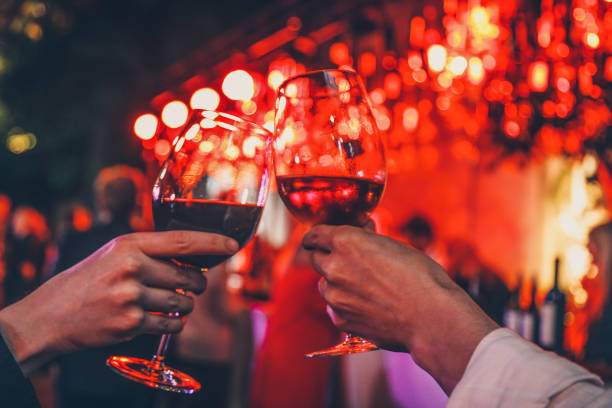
<point>318,71</point>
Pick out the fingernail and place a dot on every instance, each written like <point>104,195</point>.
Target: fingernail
<point>231,245</point>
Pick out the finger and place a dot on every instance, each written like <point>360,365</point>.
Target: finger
<point>161,324</point>
<point>319,237</point>
<point>165,301</point>
<point>182,242</point>
<point>165,275</point>
<point>318,260</point>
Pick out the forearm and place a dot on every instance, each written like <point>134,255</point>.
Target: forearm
<point>450,329</point>
<point>26,336</point>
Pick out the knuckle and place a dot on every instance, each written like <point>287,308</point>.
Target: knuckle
<point>129,293</point>
<point>133,318</point>
<point>181,241</point>
<point>131,265</point>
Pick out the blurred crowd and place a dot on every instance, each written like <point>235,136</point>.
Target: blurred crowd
<point>260,314</point>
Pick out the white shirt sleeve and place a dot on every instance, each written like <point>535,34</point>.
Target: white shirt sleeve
<point>508,371</point>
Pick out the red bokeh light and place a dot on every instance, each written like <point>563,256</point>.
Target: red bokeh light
<point>238,85</point>
<point>512,129</point>
<point>538,76</point>
<point>205,98</point>
<point>145,126</point>
<point>339,54</point>
<point>162,149</point>
<point>175,114</point>
<point>367,64</point>
<point>393,85</point>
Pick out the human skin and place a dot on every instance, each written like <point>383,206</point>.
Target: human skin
<point>120,291</point>
<point>398,298</point>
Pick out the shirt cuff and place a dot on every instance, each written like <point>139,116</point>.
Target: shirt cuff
<point>507,371</point>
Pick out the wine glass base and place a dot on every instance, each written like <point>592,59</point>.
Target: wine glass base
<point>154,374</point>
<point>350,346</point>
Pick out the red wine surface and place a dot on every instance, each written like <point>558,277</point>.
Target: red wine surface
<point>237,221</point>
<point>330,200</point>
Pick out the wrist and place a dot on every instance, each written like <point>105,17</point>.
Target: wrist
<point>26,337</point>
<point>448,334</point>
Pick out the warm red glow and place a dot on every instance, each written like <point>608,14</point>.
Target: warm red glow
<point>378,96</point>
<point>443,103</point>
<point>419,76</point>
<point>367,64</point>
<point>383,121</point>
<point>417,31</point>
<point>162,149</point>
<point>592,40</point>
<point>389,62</point>
<point>489,62</point>
<point>339,54</point>
<point>457,65</point>
<point>205,98</point>
<point>175,114</point>
<point>608,69</point>
<point>436,58</point>
<point>548,109</point>
<point>563,50</point>
<point>475,70</point>
<point>415,61</point>
<point>145,126</point>
<point>248,107</point>
<point>238,85</point>
<point>410,119</point>
<point>563,85</point>
<point>538,76</point>
<point>393,85</point>
<point>81,219</point>
<point>579,14</point>
<point>545,26</point>
<point>275,79</point>
<point>512,129</point>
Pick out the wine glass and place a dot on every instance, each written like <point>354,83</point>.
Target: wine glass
<point>215,180</point>
<point>329,158</point>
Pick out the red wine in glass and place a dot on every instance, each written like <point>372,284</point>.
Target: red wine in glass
<point>237,221</point>
<point>215,180</point>
<point>330,200</point>
<point>329,158</point>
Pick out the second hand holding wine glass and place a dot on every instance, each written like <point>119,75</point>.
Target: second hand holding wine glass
<point>329,158</point>
<point>215,180</point>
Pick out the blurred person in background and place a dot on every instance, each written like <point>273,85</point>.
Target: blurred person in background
<point>26,243</point>
<point>598,349</point>
<point>479,280</point>
<point>297,325</point>
<point>420,233</point>
<point>84,379</point>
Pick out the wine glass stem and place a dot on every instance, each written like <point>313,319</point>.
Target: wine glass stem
<point>159,356</point>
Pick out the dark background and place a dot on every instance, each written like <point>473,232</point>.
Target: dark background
<point>79,87</point>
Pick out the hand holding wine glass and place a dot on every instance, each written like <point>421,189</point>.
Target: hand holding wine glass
<point>216,181</point>
<point>329,157</point>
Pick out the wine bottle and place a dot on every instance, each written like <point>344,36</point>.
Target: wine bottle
<point>552,315</point>
<point>512,311</point>
<point>530,318</point>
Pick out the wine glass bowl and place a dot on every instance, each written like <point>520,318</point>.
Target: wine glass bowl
<point>328,156</point>
<point>215,180</point>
